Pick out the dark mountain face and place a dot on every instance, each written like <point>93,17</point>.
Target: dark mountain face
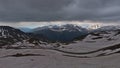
<point>9,35</point>
<point>64,33</point>
<point>40,37</point>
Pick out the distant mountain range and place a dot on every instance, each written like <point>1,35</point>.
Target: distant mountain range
<point>25,29</point>
<point>64,33</point>
<point>72,40</point>
<point>49,34</point>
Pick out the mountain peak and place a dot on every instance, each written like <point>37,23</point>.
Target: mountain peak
<point>63,33</point>
<point>57,28</point>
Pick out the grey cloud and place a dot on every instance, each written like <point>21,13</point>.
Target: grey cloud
<point>52,10</point>
<point>98,10</point>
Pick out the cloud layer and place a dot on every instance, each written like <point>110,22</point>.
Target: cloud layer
<point>59,10</point>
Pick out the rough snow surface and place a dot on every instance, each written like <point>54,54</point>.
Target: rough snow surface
<point>54,59</point>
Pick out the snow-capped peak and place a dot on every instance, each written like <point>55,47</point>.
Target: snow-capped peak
<point>57,28</point>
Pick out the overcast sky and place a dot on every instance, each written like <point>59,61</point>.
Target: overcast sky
<point>15,11</point>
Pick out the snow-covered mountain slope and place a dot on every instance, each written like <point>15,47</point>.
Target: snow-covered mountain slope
<point>9,35</point>
<point>64,33</point>
<point>103,36</point>
<point>94,41</point>
<point>99,49</point>
<point>14,38</point>
<point>96,44</point>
